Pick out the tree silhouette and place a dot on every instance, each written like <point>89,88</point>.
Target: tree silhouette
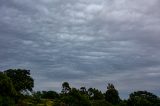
<point>22,81</point>
<point>65,88</point>
<point>143,98</point>
<point>112,95</point>
<point>6,86</point>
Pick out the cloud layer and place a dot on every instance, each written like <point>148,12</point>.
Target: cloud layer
<point>85,42</point>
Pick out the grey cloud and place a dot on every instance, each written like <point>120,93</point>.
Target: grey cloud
<point>84,42</point>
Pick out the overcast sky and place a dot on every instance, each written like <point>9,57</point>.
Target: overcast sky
<point>85,42</point>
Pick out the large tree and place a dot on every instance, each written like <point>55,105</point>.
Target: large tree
<point>21,79</point>
<point>6,86</point>
<point>143,98</point>
<point>7,91</point>
<point>112,94</point>
<point>65,88</point>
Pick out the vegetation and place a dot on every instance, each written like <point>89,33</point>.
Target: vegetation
<point>21,79</point>
<point>16,90</point>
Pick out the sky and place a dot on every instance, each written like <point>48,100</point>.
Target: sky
<point>84,42</point>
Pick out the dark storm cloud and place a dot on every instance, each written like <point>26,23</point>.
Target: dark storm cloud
<point>88,43</point>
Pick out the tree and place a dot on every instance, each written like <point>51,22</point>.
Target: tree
<point>75,98</point>
<point>143,98</point>
<point>22,81</point>
<point>6,86</point>
<point>65,88</point>
<point>83,90</point>
<point>95,94</point>
<point>49,95</point>
<point>112,94</point>
<point>7,91</point>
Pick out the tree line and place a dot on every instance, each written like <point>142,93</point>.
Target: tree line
<point>16,89</point>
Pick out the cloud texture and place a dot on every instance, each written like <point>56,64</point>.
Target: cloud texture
<point>85,42</point>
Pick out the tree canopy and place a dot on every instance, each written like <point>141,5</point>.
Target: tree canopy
<point>112,94</point>
<point>15,81</point>
<point>65,87</point>
<point>6,86</point>
<point>143,98</point>
<point>21,79</point>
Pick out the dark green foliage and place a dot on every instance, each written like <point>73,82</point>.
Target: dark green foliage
<point>112,95</point>
<point>58,102</point>
<point>95,94</point>
<point>83,91</point>
<point>123,103</point>
<point>65,87</point>
<point>143,98</point>
<point>37,96</point>
<point>6,86</point>
<point>21,79</point>
<point>75,98</point>
<point>7,91</point>
<point>81,99</point>
<point>6,101</point>
<point>14,82</point>
<point>49,95</point>
<point>101,103</point>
